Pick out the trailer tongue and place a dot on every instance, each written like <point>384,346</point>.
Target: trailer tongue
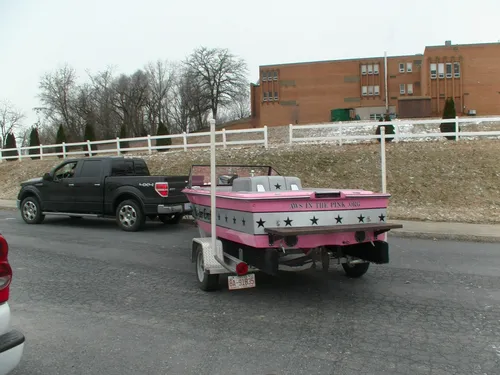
<point>252,219</point>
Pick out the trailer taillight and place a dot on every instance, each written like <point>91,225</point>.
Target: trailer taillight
<point>162,188</point>
<point>242,269</point>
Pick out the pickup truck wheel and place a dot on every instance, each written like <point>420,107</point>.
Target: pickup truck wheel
<point>355,270</point>
<point>171,219</point>
<point>31,211</point>
<point>129,216</point>
<point>206,281</point>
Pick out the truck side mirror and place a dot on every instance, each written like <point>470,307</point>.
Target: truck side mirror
<point>47,177</point>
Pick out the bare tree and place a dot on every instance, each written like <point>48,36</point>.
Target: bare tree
<point>161,76</point>
<point>220,75</point>
<point>59,96</point>
<point>131,97</point>
<point>11,120</point>
<point>190,103</point>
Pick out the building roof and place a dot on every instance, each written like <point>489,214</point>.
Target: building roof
<point>463,45</point>
<point>339,60</point>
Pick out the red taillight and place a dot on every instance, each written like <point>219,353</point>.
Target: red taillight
<point>242,269</point>
<point>5,270</point>
<point>5,279</point>
<point>4,248</point>
<point>162,188</point>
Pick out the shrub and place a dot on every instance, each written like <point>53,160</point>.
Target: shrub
<point>448,113</point>
<point>60,138</point>
<point>34,141</point>
<point>123,134</point>
<point>163,130</point>
<point>90,136</point>
<point>389,129</point>
<point>10,142</point>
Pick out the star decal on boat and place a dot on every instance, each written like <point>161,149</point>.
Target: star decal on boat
<point>218,216</point>
<point>243,221</point>
<point>288,222</point>
<point>226,218</point>
<point>381,217</point>
<point>361,219</point>
<point>314,220</point>
<point>234,220</point>
<point>339,219</point>
<point>277,186</point>
<point>261,223</point>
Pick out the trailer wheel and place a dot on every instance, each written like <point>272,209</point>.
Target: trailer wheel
<point>355,270</point>
<point>206,281</point>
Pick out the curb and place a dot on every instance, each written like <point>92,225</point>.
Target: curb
<point>444,236</point>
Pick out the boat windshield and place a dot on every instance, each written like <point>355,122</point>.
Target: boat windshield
<point>226,174</point>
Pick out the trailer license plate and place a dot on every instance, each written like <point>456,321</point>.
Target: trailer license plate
<point>241,282</point>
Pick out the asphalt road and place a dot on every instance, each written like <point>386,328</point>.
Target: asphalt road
<point>92,299</point>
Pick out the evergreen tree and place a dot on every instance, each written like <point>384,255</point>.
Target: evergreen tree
<point>90,136</point>
<point>60,138</point>
<point>123,135</point>
<point>34,141</point>
<point>163,130</point>
<point>448,113</point>
<point>10,142</point>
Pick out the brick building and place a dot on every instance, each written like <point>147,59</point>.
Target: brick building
<point>417,86</point>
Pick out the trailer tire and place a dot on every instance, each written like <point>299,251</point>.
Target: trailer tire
<point>206,282</point>
<point>355,270</point>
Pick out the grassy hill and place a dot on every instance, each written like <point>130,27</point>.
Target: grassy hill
<point>442,181</point>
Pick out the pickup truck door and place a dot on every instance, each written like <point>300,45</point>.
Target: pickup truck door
<point>88,190</point>
<point>57,194</point>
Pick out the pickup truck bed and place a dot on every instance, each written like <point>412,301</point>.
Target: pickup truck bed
<point>103,187</point>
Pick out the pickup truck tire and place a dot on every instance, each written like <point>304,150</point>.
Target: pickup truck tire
<point>129,216</point>
<point>31,211</point>
<point>171,219</point>
<point>355,270</point>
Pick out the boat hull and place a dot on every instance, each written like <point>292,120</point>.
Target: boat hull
<point>247,220</point>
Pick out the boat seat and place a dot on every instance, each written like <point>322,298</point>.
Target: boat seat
<point>266,183</point>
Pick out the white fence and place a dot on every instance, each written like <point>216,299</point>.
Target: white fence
<point>404,130</point>
<point>86,147</point>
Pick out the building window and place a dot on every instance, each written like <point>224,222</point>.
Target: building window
<point>376,116</point>
<point>364,90</point>
<point>401,67</point>
<point>276,95</point>
<point>275,75</point>
<point>370,90</point>
<point>375,69</point>
<point>410,88</point>
<point>457,69</point>
<point>402,88</point>
<point>264,76</point>
<point>264,96</point>
<point>409,67</point>
<point>448,70</point>
<point>270,96</point>
<point>376,91</point>
<point>370,69</point>
<point>441,70</point>
<point>363,70</point>
<point>433,71</point>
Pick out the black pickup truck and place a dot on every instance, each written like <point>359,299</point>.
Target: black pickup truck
<point>102,187</point>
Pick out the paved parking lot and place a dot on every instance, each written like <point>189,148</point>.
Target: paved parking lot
<point>92,299</point>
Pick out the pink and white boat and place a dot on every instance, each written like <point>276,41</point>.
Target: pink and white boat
<point>267,222</point>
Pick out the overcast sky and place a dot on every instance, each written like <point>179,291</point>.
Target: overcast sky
<point>37,36</point>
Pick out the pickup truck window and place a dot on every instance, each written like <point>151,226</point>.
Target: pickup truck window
<point>65,171</point>
<point>91,168</point>
<point>129,167</point>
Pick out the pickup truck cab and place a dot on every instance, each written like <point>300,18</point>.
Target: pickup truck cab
<point>102,187</point>
<point>11,340</point>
